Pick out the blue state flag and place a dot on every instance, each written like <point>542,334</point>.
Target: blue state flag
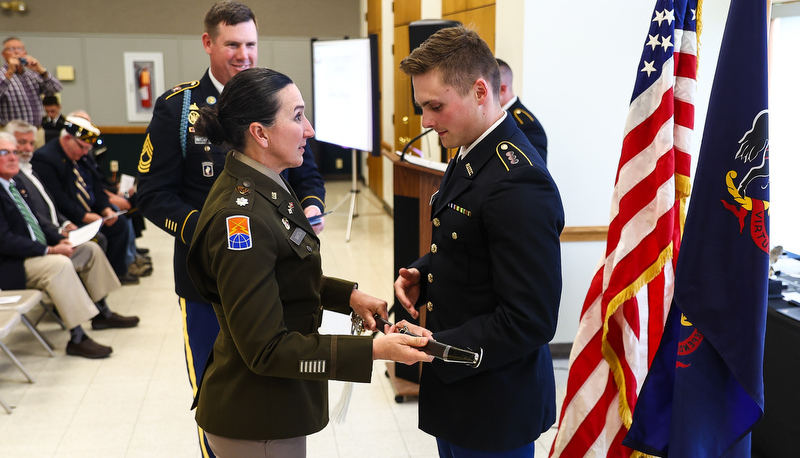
<point>704,392</point>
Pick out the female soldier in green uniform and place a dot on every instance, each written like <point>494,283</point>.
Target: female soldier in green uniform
<point>256,258</point>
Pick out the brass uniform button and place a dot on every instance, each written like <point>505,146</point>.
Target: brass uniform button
<point>207,148</point>
<point>454,235</point>
<point>436,222</point>
<point>430,278</point>
<point>434,248</point>
<point>430,306</point>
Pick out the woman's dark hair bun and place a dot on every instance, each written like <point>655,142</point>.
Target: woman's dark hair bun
<point>208,125</point>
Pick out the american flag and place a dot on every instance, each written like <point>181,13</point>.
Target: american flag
<point>623,316</point>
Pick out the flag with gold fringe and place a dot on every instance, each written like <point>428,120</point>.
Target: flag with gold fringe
<point>623,316</point>
<point>705,393</point>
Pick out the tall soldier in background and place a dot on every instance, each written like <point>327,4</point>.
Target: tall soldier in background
<point>527,123</point>
<point>178,168</point>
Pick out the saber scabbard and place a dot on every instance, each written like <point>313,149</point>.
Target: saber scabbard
<point>440,350</point>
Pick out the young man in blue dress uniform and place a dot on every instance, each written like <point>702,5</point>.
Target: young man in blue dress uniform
<point>492,279</point>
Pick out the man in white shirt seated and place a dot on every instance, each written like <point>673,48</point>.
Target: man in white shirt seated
<point>33,254</point>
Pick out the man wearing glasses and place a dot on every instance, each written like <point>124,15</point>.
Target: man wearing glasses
<point>23,80</point>
<point>62,167</point>
<point>34,255</point>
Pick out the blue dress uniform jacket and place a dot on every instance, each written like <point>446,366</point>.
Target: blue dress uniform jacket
<point>492,280</point>
<point>173,186</point>
<point>16,244</point>
<point>56,173</point>
<point>256,258</point>
<point>530,126</point>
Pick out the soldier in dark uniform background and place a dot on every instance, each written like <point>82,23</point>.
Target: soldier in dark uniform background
<point>526,121</point>
<point>492,279</point>
<point>256,258</point>
<point>177,168</point>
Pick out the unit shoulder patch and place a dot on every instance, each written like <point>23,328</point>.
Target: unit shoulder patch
<point>511,156</point>
<point>239,236</point>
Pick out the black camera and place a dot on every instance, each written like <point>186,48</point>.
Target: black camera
<point>23,61</point>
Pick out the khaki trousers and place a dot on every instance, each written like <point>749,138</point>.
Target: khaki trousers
<point>73,283</point>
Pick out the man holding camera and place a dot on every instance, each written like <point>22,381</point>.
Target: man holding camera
<point>22,82</point>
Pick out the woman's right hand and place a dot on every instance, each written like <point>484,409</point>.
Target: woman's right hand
<point>401,348</point>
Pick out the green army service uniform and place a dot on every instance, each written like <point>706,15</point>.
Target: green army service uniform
<point>256,258</point>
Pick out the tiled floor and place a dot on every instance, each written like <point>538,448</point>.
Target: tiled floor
<point>136,402</point>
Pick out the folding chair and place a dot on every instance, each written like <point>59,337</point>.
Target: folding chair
<point>9,319</point>
<point>28,298</point>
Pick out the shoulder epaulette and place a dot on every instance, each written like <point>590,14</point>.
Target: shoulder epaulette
<point>511,156</point>
<point>522,116</point>
<point>241,196</point>
<point>182,87</point>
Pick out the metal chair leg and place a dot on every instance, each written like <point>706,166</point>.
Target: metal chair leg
<point>49,310</point>
<point>16,361</point>
<point>41,338</point>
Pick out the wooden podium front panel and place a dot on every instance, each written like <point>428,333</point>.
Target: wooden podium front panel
<point>417,182</point>
<point>413,187</point>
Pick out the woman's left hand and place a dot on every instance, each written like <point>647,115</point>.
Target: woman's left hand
<point>366,306</point>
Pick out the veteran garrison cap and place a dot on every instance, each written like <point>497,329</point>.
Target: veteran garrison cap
<point>81,129</point>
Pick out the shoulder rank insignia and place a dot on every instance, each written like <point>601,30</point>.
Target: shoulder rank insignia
<point>241,194</point>
<point>146,156</point>
<point>183,86</point>
<point>520,115</point>
<point>510,155</point>
<point>239,237</point>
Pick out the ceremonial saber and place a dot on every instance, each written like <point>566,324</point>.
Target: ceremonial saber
<point>440,350</point>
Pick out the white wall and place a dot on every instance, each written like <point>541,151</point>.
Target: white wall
<point>579,65</point>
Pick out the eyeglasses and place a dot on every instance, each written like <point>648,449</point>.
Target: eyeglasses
<point>4,152</point>
<point>84,146</point>
<point>16,49</point>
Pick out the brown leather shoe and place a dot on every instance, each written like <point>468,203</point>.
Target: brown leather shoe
<point>88,348</point>
<point>114,321</point>
<point>129,279</point>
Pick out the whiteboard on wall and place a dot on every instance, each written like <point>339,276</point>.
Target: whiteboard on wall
<point>343,92</point>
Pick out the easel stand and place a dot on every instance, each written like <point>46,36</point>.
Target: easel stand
<point>353,196</point>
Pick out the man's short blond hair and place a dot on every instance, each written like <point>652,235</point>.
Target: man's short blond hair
<point>460,57</point>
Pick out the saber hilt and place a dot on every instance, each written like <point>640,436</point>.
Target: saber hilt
<point>440,350</point>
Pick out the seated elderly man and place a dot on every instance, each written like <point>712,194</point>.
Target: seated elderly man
<point>31,187</point>
<point>62,168</point>
<point>34,255</point>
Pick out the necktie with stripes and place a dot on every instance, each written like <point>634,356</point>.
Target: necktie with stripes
<point>26,213</point>
<point>83,192</point>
